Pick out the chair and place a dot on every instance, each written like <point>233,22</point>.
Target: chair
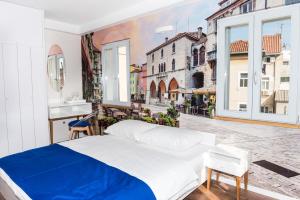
<point>81,125</point>
<point>135,111</point>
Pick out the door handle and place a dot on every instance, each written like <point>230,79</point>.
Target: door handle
<point>255,78</point>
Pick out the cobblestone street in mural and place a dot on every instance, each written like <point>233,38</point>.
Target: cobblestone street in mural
<point>274,144</point>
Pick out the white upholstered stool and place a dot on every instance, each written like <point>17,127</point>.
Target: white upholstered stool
<point>230,161</point>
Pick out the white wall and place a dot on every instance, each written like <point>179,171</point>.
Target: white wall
<point>71,47</point>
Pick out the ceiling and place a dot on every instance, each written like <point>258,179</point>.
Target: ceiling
<point>80,16</point>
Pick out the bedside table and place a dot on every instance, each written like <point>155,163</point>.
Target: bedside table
<point>231,161</point>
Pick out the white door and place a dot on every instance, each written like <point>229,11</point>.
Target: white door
<point>116,73</point>
<point>234,71</point>
<point>4,149</point>
<point>276,65</point>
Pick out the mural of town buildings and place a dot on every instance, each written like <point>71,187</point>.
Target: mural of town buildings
<point>173,56</point>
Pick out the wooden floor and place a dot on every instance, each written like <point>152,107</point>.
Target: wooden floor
<point>219,192</point>
<point>222,191</point>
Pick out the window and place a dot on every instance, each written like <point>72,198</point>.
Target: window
<point>202,55</point>
<point>164,67</point>
<point>264,109</point>
<point>173,48</point>
<point>159,69</point>
<point>152,69</point>
<point>243,79</point>
<point>247,7</point>
<point>265,83</point>
<point>195,57</point>
<point>214,72</point>
<point>116,73</point>
<point>285,63</point>
<point>162,53</point>
<point>243,107</point>
<point>153,57</point>
<point>173,64</point>
<point>284,79</point>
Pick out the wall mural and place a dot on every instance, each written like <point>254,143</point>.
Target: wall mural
<point>166,31</point>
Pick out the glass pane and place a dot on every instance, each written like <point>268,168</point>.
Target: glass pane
<point>123,87</point>
<point>109,75</point>
<point>236,98</point>
<point>275,80</point>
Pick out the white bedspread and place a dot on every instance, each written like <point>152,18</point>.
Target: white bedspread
<point>169,175</point>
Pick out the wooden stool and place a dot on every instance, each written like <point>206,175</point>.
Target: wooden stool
<point>237,179</point>
<point>78,126</point>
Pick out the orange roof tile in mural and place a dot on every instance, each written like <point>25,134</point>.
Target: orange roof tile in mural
<point>271,45</point>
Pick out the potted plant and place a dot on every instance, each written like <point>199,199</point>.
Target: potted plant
<point>149,119</point>
<point>187,105</point>
<point>174,114</point>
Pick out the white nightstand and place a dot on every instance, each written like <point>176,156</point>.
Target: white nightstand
<point>230,161</point>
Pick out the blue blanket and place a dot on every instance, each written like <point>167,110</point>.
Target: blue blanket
<point>56,172</point>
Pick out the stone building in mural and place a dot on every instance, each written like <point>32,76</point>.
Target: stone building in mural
<point>138,82</point>
<point>176,66</point>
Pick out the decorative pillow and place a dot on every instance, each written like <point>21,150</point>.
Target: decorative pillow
<point>177,139</point>
<point>129,128</point>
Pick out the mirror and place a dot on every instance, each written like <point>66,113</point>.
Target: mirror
<point>56,67</point>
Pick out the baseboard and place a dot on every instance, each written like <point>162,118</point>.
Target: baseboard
<point>257,190</point>
<point>265,123</point>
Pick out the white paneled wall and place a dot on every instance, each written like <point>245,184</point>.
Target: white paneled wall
<point>23,80</point>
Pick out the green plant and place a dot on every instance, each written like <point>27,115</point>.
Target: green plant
<point>147,111</point>
<point>149,120</point>
<point>210,110</point>
<point>187,103</point>
<point>109,121</point>
<point>172,112</point>
<point>168,121</point>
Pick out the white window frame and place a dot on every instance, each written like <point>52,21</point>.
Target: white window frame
<point>239,80</point>
<point>269,81</point>
<point>116,99</point>
<point>222,60</point>
<point>291,12</point>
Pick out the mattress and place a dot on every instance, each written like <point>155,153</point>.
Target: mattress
<point>170,175</point>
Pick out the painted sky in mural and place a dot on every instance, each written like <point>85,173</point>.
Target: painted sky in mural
<point>142,31</point>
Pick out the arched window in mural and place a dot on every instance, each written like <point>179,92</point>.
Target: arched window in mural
<point>198,80</point>
<point>202,55</point>
<point>153,90</point>
<point>195,57</point>
<point>173,85</point>
<point>173,64</point>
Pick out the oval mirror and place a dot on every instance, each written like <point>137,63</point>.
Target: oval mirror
<point>56,67</point>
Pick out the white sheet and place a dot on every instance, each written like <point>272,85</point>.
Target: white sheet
<point>169,175</point>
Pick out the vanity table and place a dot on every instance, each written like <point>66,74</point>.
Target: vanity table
<point>65,111</point>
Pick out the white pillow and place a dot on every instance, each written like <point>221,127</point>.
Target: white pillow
<point>129,128</point>
<point>177,139</point>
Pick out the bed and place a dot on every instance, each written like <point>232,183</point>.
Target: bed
<point>171,173</point>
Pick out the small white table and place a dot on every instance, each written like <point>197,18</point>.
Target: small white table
<point>231,161</point>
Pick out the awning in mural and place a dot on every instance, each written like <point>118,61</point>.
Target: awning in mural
<point>205,91</point>
<point>182,91</point>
